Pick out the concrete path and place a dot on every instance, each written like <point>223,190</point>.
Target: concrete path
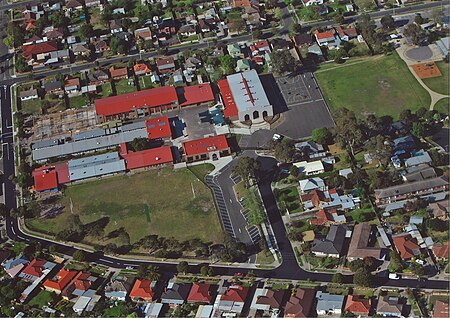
<point>436,56</point>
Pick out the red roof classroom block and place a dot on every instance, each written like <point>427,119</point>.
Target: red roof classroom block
<point>142,290</point>
<point>200,293</point>
<point>196,94</point>
<point>158,127</point>
<point>45,178</point>
<point>60,281</point>
<point>155,97</point>
<point>147,158</point>
<point>204,145</point>
<point>230,108</point>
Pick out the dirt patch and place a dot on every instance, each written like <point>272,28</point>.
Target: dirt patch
<point>426,70</point>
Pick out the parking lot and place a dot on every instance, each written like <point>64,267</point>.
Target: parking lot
<point>306,109</point>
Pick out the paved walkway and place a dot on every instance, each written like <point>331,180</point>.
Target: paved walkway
<point>402,51</point>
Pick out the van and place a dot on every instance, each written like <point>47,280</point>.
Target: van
<point>394,276</point>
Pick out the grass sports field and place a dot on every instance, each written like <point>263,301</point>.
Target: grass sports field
<point>380,84</point>
<point>166,202</point>
<point>439,84</point>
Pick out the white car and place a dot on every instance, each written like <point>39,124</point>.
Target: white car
<point>276,137</point>
<point>419,261</point>
<point>394,276</point>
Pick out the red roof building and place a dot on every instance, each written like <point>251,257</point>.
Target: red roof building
<point>300,304</point>
<point>406,246</point>
<point>60,281</point>
<point>158,128</point>
<point>441,309</point>
<point>195,95</point>
<point>33,270</point>
<point>81,283</point>
<point>200,293</point>
<point>235,293</point>
<point>213,147</point>
<point>45,179</point>
<point>358,305</point>
<point>324,35</point>
<point>31,50</point>
<point>323,217</point>
<point>141,69</point>
<point>142,290</point>
<point>230,109</point>
<point>147,158</point>
<point>126,105</point>
<point>441,250</point>
<point>118,73</point>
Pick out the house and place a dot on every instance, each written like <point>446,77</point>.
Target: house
<point>406,245</point>
<point>313,199</point>
<point>358,305</point>
<point>309,168</point>
<point>204,25</point>
<point>118,73</point>
<point>175,294</point>
<point>243,65</point>
<point>53,33</point>
<point>36,269</point>
<point>81,304</point>
<point>98,77</point>
<point>100,45</point>
<point>268,300</point>
<point>260,48</point>
<point>193,63</point>
<point>302,39</point>
<point>187,30</point>
<point>168,27</point>
<point>115,26</point>
<point>59,281</point>
<point>328,217</point>
<point>165,64</point>
<point>234,50</point>
<point>233,300</point>
<point>79,286</point>
<point>30,94</point>
<point>312,2</point>
<point>36,54</point>
<point>443,45</point>
<point>332,244</point>
<point>359,244</point>
<point>212,148</point>
<point>441,309</point>
<point>14,266</point>
<point>92,3</point>
<point>346,34</point>
<point>419,157</point>
<point>177,77</point>
<point>311,184</point>
<point>315,50</point>
<point>439,209</point>
<point>80,49</point>
<point>201,293</point>
<point>73,5</point>
<point>418,173</point>
<point>407,143</point>
<point>310,150</point>
<point>118,288</point>
<point>143,34</point>
<point>72,85</point>
<point>300,304</point>
<point>441,251</point>
<point>143,290</point>
<point>57,57</point>
<point>141,69</point>
<point>389,307</point>
<point>328,304</point>
<point>328,38</point>
<point>410,190</point>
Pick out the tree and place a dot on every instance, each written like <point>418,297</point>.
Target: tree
<point>270,4</point>
<point>227,63</point>
<point>388,22</point>
<point>396,263</point>
<point>436,15</point>
<point>278,14</point>
<point>79,255</point>
<point>418,130</point>
<point>182,267</point>
<point>4,212</point>
<point>139,144</point>
<point>421,112</point>
<point>418,19</point>
<point>294,172</point>
<point>73,223</point>
<point>339,18</point>
<point>414,32</point>
<point>236,25</point>
<point>348,131</point>
<point>246,168</point>
<point>86,31</point>
<point>338,278</point>
<point>9,41</point>
<point>296,28</point>
<point>380,148</point>
<point>417,269</point>
<point>21,65</point>
<point>362,277</point>
<point>206,271</point>
<point>321,135</point>
<point>257,34</point>
<point>282,61</point>
<point>284,150</point>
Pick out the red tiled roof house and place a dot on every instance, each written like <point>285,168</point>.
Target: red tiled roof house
<point>142,290</point>
<point>213,148</point>
<point>358,305</point>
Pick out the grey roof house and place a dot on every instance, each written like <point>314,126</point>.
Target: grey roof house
<point>332,244</point>
<point>328,304</point>
<point>389,307</point>
<point>118,289</point>
<point>175,294</point>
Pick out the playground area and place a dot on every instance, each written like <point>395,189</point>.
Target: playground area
<point>426,70</point>
<point>164,202</point>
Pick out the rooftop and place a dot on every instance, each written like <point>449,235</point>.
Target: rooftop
<point>204,145</point>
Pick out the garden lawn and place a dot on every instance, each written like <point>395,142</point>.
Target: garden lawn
<point>122,87</point>
<point>382,85</point>
<point>77,101</point>
<point>442,106</point>
<point>32,107</point>
<point>42,299</point>
<point>439,84</point>
<point>180,205</point>
<point>145,82</point>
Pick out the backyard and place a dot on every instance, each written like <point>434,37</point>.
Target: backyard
<point>164,202</point>
<point>382,85</point>
<point>439,84</point>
